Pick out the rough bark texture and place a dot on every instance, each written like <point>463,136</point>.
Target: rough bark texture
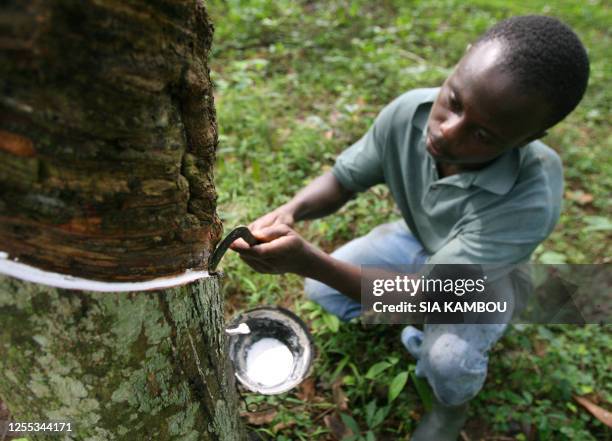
<point>107,137</point>
<point>120,366</point>
<point>107,143</point>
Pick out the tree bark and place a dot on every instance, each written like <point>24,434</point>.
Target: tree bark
<point>119,366</point>
<point>107,137</point>
<point>107,146</point>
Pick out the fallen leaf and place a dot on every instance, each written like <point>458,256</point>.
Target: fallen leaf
<point>597,223</point>
<point>335,425</point>
<point>283,425</point>
<point>598,412</point>
<point>464,436</point>
<point>16,144</point>
<point>339,396</point>
<point>334,117</point>
<point>306,390</point>
<point>260,418</point>
<point>540,347</point>
<point>579,196</point>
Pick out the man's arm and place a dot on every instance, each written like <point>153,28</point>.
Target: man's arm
<point>283,250</point>
<point>323,196</point>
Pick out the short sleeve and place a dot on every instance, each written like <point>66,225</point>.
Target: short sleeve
<point>498,253</point>
<point>510,229</point>
<point>360,166</point>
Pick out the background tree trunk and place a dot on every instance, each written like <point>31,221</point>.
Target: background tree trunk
<point>107,146</point>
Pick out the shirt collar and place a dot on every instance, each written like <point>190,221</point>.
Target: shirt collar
<point>498,177</point>
<point>421,114</point>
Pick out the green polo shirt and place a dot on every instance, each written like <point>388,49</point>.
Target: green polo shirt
<point>496,215</point>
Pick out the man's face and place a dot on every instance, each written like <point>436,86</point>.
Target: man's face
<point>480,112</point>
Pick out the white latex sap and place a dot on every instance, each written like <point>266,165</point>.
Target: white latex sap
<point>269,362</point>
<point>29,273</point>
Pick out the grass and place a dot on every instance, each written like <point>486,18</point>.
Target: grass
<point>296,83</point>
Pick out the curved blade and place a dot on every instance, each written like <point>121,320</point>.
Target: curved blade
<point>240,231</point>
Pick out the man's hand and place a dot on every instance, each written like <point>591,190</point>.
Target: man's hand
<point>323,196</point>
<point>282,251</point>
<point>282,215</point>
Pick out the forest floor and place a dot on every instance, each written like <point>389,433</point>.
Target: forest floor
<point>296,83</point>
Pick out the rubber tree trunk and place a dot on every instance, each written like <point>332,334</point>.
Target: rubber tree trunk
<point>120,366</point>
<point>107,137</point>
<point>107,143</point>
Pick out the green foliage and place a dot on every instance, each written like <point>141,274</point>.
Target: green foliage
<point>299,81</point>
<point>397,384</point>
<point>423,390</point>
<point>539,389</point>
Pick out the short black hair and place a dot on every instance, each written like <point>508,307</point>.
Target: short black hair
<point>547,57</point>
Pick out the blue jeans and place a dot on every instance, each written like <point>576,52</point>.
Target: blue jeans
<point>453,358</point>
